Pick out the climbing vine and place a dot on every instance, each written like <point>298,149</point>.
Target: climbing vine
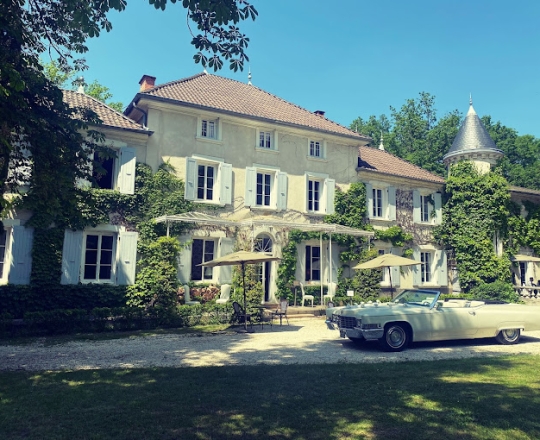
<point>477,207</point>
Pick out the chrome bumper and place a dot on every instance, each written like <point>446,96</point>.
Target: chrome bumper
<point>359,333</point>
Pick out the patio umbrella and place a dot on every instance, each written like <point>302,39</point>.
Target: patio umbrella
<point>241,258</point>
<point>387,260</point>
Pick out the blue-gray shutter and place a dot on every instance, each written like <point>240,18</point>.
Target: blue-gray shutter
<point>301,262</point>
<point>281,191</point>
<point>127,258</point>
<point>126,174</point>
<point>335,263</point>
<point>251,179</point>
<point>395,271</point>
<point>441,268</point>
<point>191,178</point>
<point>21,255</point>
<point>225,247</point>
<point>391,203</point>
<point>369,200</point>
<point>184,259</point>
<point>416,206</point>
<point>417,274</point>
<point>225,178</point>
<point>330,194</point>
<point>438,208</point>
<point>71,256</point>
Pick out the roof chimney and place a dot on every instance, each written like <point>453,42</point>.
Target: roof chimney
<point>319,112</point>
<point>147,82</point>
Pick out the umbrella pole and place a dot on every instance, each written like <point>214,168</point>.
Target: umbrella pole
<point>244,289</point>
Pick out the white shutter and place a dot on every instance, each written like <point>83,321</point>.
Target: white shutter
<point>369,200</point>
<point>225,247</point>
<point>391,203</point>
<point>126,174</point>
<point>191,178</point>
<point>225,183</point>
<point>417,275</point>
<point>416,206</point>
<point>184,263</point>
<point>281,191</point>
<point>441,268</point>
<point>395,271</point>
<point>301,262</point>
<point>330,194</point>
<point>71,256</point>
<point>251,179</point>
<point>21,255</point>
<point>306,198</point>
<point>335,263</point>
<point>438,208</point>
<point>127,257</point>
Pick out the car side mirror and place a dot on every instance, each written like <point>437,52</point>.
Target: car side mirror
<point>439,305</point>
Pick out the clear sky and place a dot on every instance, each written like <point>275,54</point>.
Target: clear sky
<point>351,58</point>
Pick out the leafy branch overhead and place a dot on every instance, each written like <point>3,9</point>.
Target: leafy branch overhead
<point>218,35</point>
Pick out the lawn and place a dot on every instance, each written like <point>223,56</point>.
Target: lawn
<point>491,398</point>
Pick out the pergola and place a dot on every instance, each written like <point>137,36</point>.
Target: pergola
<point>323,228</point>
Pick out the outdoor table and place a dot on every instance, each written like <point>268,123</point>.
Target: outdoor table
<point>260,314</point>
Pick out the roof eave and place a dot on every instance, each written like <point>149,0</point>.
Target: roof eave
<point>130,107</point>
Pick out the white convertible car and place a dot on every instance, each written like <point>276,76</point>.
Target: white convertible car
<point>418,315</point>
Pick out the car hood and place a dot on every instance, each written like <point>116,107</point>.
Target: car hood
<point>377,310</point>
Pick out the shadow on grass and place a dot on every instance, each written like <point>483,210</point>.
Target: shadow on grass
<point>467,399</point>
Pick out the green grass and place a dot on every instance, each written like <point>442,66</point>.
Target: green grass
<point>491,398</point>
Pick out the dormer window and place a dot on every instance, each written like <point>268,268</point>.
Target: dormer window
<point>209,129</point>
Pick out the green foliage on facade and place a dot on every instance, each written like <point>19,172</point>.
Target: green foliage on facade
<point>477,209</point>
<point>157,282</point>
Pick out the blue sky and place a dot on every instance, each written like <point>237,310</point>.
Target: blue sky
<point>351,58</point>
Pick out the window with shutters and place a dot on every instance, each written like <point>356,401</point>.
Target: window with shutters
<point>266,188</point>
<point>99,258</point>
<point>202,251</point>
<point>381,201</point>
<point>313,263</point>
<point>426,267</point>
<point>320,191</point>
<point>208,180</point>
<point>427,207</point>
<point>116,170</point>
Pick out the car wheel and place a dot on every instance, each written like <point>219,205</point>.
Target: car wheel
<point>395,337</point>
<point>508,336</point>
<point>357,341</point>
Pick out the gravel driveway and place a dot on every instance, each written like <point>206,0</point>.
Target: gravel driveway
<point>305,341</point>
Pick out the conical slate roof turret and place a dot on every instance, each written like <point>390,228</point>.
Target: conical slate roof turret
<point>472,141</point>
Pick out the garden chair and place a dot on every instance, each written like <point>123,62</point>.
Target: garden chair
<point>225,294</point>
<point>187,298</point>
<point>240,315</point>
<point>331,292</point>
<point>281,312</point>
<point>308,297</point>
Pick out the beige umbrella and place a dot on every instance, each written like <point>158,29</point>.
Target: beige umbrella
<point>241,258</point>
<point>387,260</point>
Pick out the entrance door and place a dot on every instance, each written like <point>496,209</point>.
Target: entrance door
<point>263,243</point>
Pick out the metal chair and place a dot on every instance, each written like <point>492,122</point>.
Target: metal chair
<point>240,315</point>
<point>308,297</point>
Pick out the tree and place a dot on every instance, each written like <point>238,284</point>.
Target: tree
<point>66,80</point>
<point>37,129</point>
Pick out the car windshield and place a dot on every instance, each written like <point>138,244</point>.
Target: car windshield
<point>425,298</point>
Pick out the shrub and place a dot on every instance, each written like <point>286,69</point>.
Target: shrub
<point>498,290</point>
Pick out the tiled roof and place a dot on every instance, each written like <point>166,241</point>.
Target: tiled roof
<point>109,116</point>
<point>472,137</point>
<point>381,161</point>
<point>223,94</point>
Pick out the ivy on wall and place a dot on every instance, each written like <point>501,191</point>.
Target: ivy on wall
<point>477,206</point>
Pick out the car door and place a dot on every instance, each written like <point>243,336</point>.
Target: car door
<point>454,323</point>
